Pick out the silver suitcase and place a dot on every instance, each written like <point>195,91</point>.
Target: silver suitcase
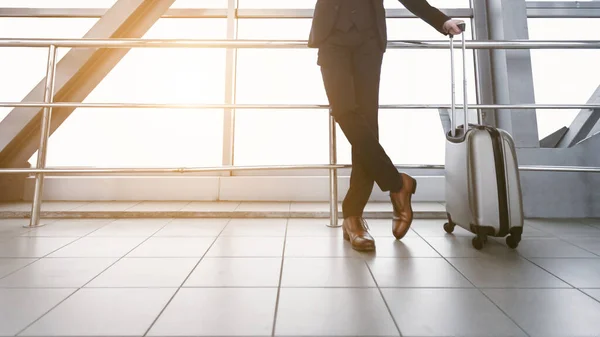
<point>483,190</point>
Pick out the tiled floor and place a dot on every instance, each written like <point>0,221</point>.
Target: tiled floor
<point>293,277</point>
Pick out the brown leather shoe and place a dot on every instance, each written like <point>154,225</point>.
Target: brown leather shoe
<point>403,213</point>
<point>356,231</point>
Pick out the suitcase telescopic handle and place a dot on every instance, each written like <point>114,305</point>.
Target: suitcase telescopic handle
<point>462,26</point>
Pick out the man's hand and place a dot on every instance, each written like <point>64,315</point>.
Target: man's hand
<point>451,27</point>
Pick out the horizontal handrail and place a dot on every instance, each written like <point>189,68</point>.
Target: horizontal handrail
<point>92,171</point>
<point>288,44</point>
<point>284,106</point>
<point>189,13</point>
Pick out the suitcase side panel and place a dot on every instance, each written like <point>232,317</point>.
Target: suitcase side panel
<point>513,181</point>
<point>458,205</point>
<point>484,185</point>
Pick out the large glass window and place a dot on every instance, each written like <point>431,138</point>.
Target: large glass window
<point>563,76</point>
<point>409,76</point>
<point>145,137</point>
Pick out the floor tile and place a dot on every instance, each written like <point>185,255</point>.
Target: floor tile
<point>591,244</point>
<point>417,273</point>
<point>159,206</point>
<point>530,231</point>
<point>255,227</point>
<point>218,312</point>
<point>595,293</point>
<point>146,273</point>
<point>448,312</point>
<point>98,247</point>
<point>69,228</point>
<point>326,272</point>
<point>407,247</point>
<point>333,311</point>
<point>564,227</point>
<point>172,247</point>
<point>550,247</point>
<point>103,312</point>
<point>312,228</point>
<point>319,247</point>
<point>247,247</point>
<point>383,228</point>
<point>8,266</point>
<point>461,246</point>
<point>57,273</point>
<point>549,312</point>
<point>131,227</point>
<point>32,246</point>
<point>236,272</point>
<point>248,206</point>
<point>505,273</point>
<point>210,206</point>
<point>435,228</point>
<point>21,307</point>
<point>193,227</point>
<point>12,227</point>
<point>106,206</point>
<point>580,273</point>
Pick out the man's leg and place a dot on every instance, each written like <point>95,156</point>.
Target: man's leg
<point>367,82</point>
<point>366,66</point>
<point>338,76</point>
<point>369,158</point>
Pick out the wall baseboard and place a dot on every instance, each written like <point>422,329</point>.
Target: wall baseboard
<point>212,188</point>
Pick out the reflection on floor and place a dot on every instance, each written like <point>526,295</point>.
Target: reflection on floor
<point>293,277</point>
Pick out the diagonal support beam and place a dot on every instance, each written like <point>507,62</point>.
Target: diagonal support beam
<point>586,124</point>
<point>77,74</point>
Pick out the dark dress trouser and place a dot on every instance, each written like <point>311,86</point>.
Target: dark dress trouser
<point>351,66</point>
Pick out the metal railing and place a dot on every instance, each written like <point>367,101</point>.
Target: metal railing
<point>53,44</point>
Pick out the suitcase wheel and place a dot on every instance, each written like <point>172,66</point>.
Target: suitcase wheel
<point>449,227</point>
<point>478,242</point>
<point>513,241</point>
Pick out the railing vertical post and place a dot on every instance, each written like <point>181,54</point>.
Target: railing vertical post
<point>333,181</point>
<point>230,84</point>
<point>44,135</point>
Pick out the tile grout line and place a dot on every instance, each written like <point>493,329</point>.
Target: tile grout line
<point>570,243</point>
<point>569,284</point>
<point>478,289</point>
<point>185,280</point>
<point>383,298</point>
<point>565,241</point>
<point>36,259</point>
<point>276,311</point>
<point>83,286</point>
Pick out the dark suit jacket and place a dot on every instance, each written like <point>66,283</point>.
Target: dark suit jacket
<point>326,11</point>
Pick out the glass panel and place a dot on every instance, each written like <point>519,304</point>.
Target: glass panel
<point>563,76</point>
<point>279,76</point>
<point>152,138</point>
<point>23,68</point>
<point>292,77</point>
